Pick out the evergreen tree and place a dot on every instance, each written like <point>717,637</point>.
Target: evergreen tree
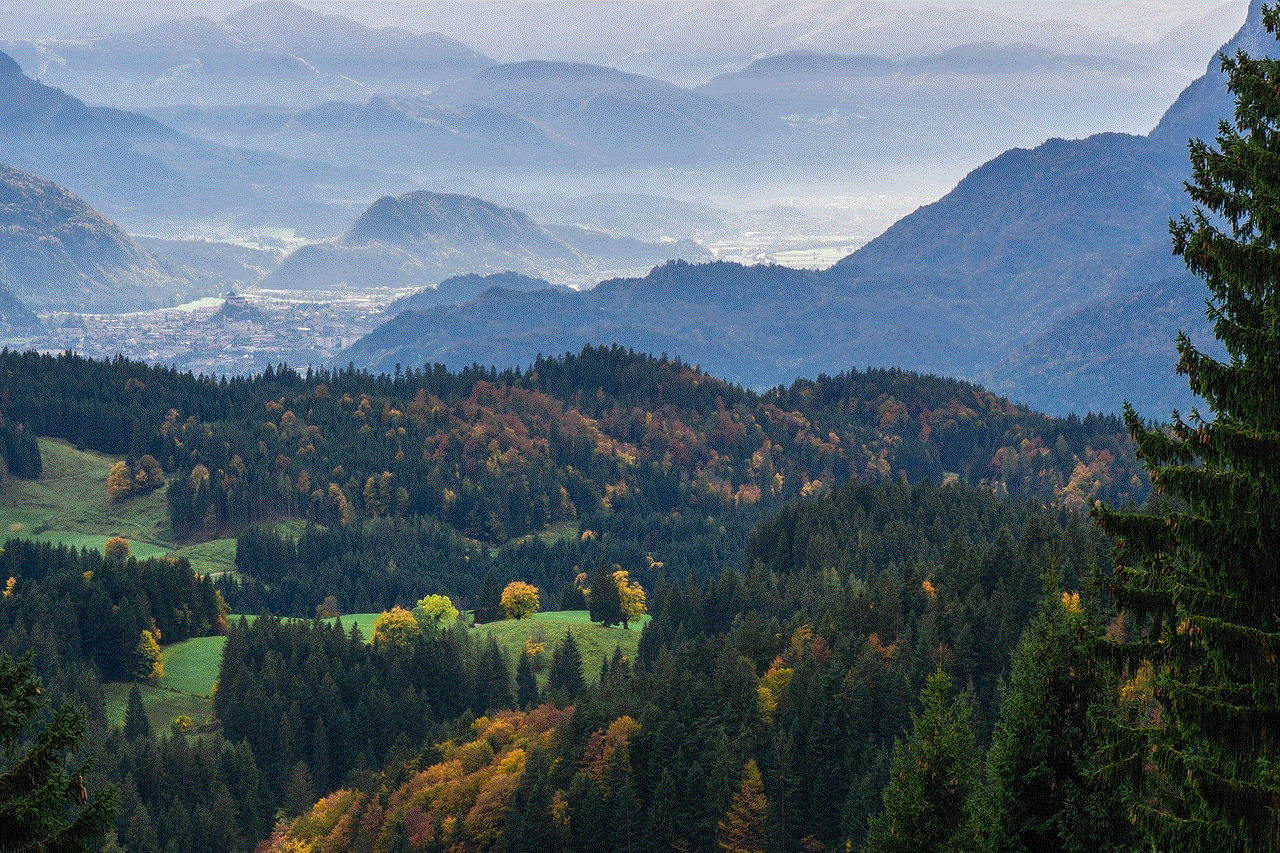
<point>1199,579</point>
<point>927,800</point>
<point>605,604</point>
<point>526,682</point>
<point>43,805</point>
<point>564,679</point>
<point>1041,794</point>
<point>136,724</point>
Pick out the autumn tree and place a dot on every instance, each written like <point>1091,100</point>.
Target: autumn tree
<point>44,806</point>
<point>931,783</point>
<point>117,548</point>
<point>434,612</point>
<point>519,599</point>
<point>119,481</point>
<point>1198,579</point>
<point>742,828</point>
<point>396,628</point>
<point>148,663</point>
<point>631,600</point>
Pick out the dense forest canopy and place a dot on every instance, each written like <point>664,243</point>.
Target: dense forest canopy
<point>809,555</point>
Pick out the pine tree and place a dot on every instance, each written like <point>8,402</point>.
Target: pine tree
<point>1200,578</point>
<point>1041,795</point>
<point>43,805</point>
<point>136,723</point>
<point>604,602</point>
<point>564,679</point>
<point>927,800</point>
<point>526,682</point>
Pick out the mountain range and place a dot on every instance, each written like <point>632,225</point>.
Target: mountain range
<point>811,114</point>
<point>1045,272</point>
<point>272,51</point>
<point>148,176</point>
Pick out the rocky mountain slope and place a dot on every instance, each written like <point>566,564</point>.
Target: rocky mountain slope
<point>58,252</point>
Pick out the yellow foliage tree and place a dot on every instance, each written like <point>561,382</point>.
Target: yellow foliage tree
<point>149,666</point>
<point>631,595</point>
<point>396,628</point>
<point>117,548</point>
<point>519,599</point>
<point>435,612</point>
<point>742,829</point>
<point>119,481</point>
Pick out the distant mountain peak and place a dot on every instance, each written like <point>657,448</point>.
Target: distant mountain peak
<point>425,215</point>
<point>1197,111</point>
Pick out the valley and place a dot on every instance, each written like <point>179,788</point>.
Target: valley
<point>639,425</point>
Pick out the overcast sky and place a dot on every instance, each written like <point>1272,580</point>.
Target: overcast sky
<point>588,30</point>
<point>1134,19</point>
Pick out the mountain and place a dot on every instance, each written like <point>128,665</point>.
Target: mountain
<point>269,52</point>
<point>59,253</point>
<point>211,265</point>
<point>14,316</point>
<point>423,237</point>
<point>149,176</point>
<point>618,117</point>
<point>883,108</point>
<point>409,135</point>
<point>464,288</point>
<point>1039,272</point>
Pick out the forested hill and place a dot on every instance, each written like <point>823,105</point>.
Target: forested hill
<point>787,679</point>
<point>800,590</point>
<point>502,454</point>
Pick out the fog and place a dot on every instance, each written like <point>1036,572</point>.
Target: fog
<point>802,164</point>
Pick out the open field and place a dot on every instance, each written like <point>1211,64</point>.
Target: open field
<point>190,670</point>
<point>364,620</point>
<point>594,641</point>
<point>69,504</point>
<point>215,557</point>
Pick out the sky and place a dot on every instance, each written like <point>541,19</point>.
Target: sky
<point>1131,19</point>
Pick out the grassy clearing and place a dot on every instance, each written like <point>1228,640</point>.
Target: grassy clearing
<point>69,504</point>
<point>594,641</point>
<point>215,557</point>
<point>190,670</point>
<point>364,620</point>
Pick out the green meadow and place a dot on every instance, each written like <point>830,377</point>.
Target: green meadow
<point>190,671</point>
<point>69,505</point>
<point>594,641</point>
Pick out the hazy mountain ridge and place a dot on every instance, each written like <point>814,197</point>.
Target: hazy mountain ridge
<point>422,237</point>
<point>464,288</point>
<point>270,49</point>
<point>58,252</point>
<point>1003,266</point>
<point>147,175</point>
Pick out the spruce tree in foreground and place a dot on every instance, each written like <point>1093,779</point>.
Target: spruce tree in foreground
<point>1041,794</point>
<point>928,799</point>
<point>1202,579</point>
<point>44,807</point>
